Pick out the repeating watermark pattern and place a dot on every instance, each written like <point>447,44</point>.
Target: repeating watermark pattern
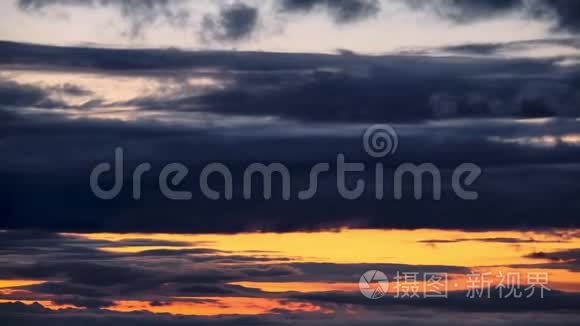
<point>378,142</point>
<point>375,284</point>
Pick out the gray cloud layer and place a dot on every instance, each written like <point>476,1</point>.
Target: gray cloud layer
<point>139,13</point>
<point>342,11</point>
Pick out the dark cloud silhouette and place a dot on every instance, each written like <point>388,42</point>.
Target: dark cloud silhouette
<point>568,255</point>
<point>233,23</point>
<point>17,95</point>
<point>456,301</point>
<point>34,315</point>
<point>466,11</point>
<point>316,87</point>
<point>343,11</point>
<point>382,92</point>
<point>566,259</point>
<point>70,289</point>
<point>534,185</point>
<point>70,89</point>
<point>497,48</point>
<point>13,94</point>
<point>155,62</point>
<point>320,105</point>
<point>39,4</point>
<point>563,14</point>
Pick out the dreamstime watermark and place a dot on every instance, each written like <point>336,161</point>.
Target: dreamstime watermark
<point>379,141</point>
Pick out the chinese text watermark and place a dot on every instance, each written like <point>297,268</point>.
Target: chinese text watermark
<point>375,284</point>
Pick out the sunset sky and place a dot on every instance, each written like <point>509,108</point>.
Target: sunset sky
<point>157,91</point>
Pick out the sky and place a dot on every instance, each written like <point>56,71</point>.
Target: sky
<point>129,130</point>
<point>370,27</point>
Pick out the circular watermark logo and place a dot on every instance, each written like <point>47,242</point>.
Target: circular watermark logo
<point>373,284</point>
<point>380,140</point>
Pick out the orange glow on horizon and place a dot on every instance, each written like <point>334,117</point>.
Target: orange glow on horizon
<point>373,246</point>
<point>495,253</point>
<point>492,252</point>
<point>44,303</point>
<point>4,284</point>
<point>213,306</point>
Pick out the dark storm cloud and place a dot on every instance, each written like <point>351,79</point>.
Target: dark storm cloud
<point>35,315</point>
<point>562,14</point>
<point>533,185</point>
<point>139,13</point>
<point>343,11</point>
<point>211,289</point>
<point>21,95</point>
<point>71,90</point>
<point>80,271</point>
<point>33,242</point>
<point>497,48</point>
<point>87,279</point>
<point>565,13</point>
<point>565,259</point>
<point>316,87</point>
<point>348,272</point>
<point>13,94</point>
<point>568,255</point>
<point>320,99</point>
<point>385,93</point>
<point>465,11</point>
<point>153,61</point>
<point>19,314</point>
<point>480,48</point>
<point>233,23</point>
<point>40,4</point>
<point>456,301</point>
<point>67,289</point>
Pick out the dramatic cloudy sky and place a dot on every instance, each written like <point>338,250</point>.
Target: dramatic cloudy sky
<point>494,83</point>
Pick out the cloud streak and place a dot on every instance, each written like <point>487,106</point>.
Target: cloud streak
<point>342,11</point>
<point>139,13</point>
